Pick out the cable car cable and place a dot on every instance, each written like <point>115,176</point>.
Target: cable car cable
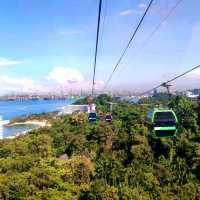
<point>104,14</point>
<point>163,20</point>
<point>96,47</point>
<point>173,79</point>
<point>128,45</point>
<point>158,27</point>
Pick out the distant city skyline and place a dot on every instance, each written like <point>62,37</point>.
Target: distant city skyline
<point>48,46</point>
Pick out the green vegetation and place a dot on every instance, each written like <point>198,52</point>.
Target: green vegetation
<point>74,159</point>
<point>156,99</point>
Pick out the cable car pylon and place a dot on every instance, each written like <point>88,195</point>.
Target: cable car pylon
<point>167,86</point>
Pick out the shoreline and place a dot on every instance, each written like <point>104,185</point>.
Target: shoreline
<point>40,120</point>
<point>43,123</point>
<point>40,124</point>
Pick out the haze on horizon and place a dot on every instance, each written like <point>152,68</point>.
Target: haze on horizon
<point>47,45</point>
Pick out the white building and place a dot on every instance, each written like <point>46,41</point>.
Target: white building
<point>69,109</point>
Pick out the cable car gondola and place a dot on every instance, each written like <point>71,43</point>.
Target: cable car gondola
<point>92,117</point>
<point>164,123</point>
<point>108,118</point>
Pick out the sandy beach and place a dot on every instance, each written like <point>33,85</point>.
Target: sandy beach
<point>30,122</point>
<point>34,122</point>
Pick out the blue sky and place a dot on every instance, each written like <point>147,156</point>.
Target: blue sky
<point>42,42</point>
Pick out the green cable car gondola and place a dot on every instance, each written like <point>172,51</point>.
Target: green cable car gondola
<point>164,123</point>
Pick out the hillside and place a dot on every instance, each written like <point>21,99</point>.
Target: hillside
<point>73,159</point>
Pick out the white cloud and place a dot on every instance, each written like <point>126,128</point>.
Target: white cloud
<point>194,74</point>
<point>23,85</point>
<point>14,84</point>
<point>6,62</point>
<point>142,6</point>
<point>70,78</point>
<point>64,75</point>
<point>140,9</point>
<point>126,13</point>
<point>59,79</point>
<point>16,81</point>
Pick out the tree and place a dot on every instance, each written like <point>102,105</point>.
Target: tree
<point>185,111</point>
<point>128,193</point>
<point>41,145</point>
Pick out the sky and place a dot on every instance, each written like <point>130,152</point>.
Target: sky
<point>48,46</point>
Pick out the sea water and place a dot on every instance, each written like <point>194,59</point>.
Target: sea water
<point>12,109</point>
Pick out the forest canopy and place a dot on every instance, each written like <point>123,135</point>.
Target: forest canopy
<point>74,159</point>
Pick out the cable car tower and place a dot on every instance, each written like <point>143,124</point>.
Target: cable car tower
<point>167,86</point>
<point>111,106</point>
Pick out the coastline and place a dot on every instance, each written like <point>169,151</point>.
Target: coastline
<point>36,118</point>
<point>43,123</point>
<point>40,124</point>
